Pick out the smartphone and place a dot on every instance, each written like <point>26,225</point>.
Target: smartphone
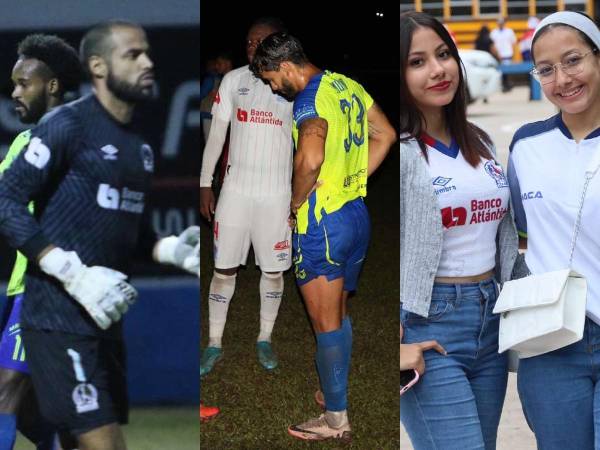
<point>407,379</point>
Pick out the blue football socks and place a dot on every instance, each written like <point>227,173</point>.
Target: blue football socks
<point>333,363</point>
<point>347,329</point>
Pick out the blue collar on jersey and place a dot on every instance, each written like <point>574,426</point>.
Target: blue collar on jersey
<point>563,128</point>
<point>451,151</point>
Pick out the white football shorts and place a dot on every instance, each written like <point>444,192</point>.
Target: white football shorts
<point>261,221</point>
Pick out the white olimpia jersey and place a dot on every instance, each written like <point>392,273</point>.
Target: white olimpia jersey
<point>260,149</point>
<point>546,172</point>
<point>473,201</point>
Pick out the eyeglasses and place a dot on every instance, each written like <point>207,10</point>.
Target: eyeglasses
<point>572,65</point>
<point>407,379</point>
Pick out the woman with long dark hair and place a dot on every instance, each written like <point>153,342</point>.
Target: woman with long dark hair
<point>457,241</point>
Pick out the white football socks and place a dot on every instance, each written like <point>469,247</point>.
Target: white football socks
<point>219,296</point>
<point>336,419</point>
<point>271,290</point>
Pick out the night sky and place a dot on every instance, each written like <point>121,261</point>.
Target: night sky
<point>350,40</point>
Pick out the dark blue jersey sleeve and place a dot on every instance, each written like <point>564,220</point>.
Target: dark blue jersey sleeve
<point>515,196</point>
<point>35,175</point>
<point>305,104</point>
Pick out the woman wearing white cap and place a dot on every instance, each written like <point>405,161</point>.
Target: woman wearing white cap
<point>560,390</point>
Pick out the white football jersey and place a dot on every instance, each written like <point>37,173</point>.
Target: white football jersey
<point>260,148</point>
<point>473,201</point>
<point>546,172</point>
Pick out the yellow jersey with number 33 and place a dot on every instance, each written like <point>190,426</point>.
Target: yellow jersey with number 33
<point>343,103</point>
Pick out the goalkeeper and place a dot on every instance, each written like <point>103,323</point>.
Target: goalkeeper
<point>88,173</point>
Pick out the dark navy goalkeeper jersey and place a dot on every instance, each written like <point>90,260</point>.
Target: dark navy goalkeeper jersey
<point>89,176</point>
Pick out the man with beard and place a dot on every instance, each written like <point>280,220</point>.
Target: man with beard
<point>88,173</point>
<point>341,138</point>
<point>46,69</point>
<point>254,201</point>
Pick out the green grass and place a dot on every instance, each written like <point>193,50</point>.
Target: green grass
<point>154,429</point>
<point>257,407</point>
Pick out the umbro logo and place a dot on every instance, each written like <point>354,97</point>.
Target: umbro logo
<point>243,91</point>
<point>441,181</point>
<point>110,152</point>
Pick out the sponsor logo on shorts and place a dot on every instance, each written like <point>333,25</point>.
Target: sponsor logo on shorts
<point>85,397</point>
<point>283,245</point>
<point>282,257</point>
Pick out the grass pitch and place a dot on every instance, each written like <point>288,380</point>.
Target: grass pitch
<point>158,428</point>
<point>257,407</point>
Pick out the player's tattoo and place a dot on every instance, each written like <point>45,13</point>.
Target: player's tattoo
<point>313,127</point>
<point>374,130</point>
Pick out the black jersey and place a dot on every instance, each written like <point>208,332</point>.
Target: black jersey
<point>89,176</point>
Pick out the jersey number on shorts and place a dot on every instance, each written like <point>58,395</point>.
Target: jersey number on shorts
<point>19,352</point>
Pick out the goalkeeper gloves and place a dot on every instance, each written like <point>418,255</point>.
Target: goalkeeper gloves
<point>102,292</point>
<point>182,251</point>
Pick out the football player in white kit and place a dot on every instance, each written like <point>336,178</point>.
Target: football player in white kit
<point>253,205</point>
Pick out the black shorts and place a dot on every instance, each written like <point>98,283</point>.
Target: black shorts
<point>79,381</point>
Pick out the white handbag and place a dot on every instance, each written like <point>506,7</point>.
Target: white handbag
<point>544,312</point>
<point>541,313</point>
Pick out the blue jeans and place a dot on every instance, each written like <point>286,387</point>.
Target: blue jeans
<point>456,405</point>
<point>560,394</point>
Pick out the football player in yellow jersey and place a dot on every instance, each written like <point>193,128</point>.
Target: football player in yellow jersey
<point>341,138</point>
